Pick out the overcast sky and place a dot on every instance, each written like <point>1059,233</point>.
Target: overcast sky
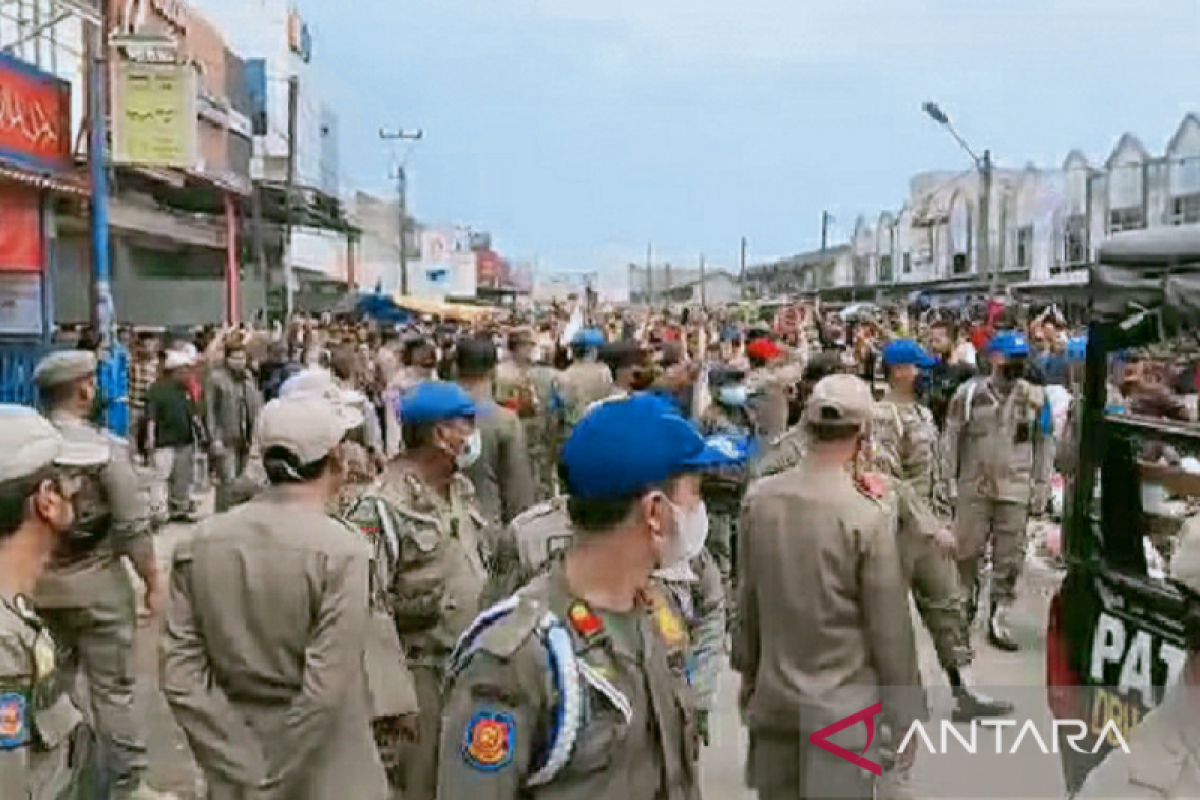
<point>578,130</point>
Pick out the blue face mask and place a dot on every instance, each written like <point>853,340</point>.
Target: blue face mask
<point>733,395</point>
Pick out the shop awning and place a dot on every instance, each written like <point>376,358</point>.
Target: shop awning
<point>456,311</point>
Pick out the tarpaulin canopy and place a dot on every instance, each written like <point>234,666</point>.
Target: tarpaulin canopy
<point>1155,271</point>
<point>456,311</point>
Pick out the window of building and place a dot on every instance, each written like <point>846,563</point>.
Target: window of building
<point>1075,240</point>
<point>907,264</point>
<point>1185,210</point>
<point>862,270</point>
<point>885,269</point>
<point>1131,218</point>
<point>960,263</point>
<point>1025,247</point>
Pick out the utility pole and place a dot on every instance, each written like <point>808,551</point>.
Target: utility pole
<point>402,197</point>
<point>98,171</point>
<point>667,282</point>
<point>984,256</point>
<point>293,126</point>
<point>742,267</point>
<point>824,231</point>
<point>649,273</point>
<point>983,253</point>
<point>703,285</point>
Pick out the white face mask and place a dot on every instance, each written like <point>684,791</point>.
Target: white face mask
<point>691,532</point>
<point>471,451</point>
<point>733,395</point>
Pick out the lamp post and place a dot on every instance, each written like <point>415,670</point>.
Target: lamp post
<point>401,177</point>
<point>983,254</point>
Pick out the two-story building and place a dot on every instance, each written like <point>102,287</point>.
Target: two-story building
<point>1044,225</point>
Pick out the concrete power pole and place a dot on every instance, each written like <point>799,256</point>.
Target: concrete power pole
<point>742,267</point>
<point>293,126</point>
<point>402,197</point>
<point>984,256</point>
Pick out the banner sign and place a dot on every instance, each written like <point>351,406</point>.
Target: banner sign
<point>21,232</point>
<point>155,124</point>
<point>35,117</point>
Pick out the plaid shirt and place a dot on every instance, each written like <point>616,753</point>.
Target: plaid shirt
<point>142,375</point>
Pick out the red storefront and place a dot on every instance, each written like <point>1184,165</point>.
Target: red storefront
<point>35,165</point>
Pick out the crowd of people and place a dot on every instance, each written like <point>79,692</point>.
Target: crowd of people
<point>508,558</point>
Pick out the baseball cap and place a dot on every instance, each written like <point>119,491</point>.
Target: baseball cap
<point>29,444</point>
<point>588,337</point>
<point>64,366</point>
<point>763,348</point>
<point>906,351</point>
<point>177,359</point>
<point>307,426</point>
<point>625,446</point>
<point>839,400</point>
<point>319,382</point>
<point>436,401</point>
<point>1010,344</point>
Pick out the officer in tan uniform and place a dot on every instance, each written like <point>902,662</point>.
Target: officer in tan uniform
<point>587,379</point>
<point>1163,762</point>
<point>85,595</point>
<point>526,388</point>
<point>824,628</point>
<point>568,688</point>
<point>502,475</point>
<point>441,554</point>
<point>997,453</point>
<point>904,449</point>
<point>389,682</point>
<point>40,728</point>
<point>263,653</point>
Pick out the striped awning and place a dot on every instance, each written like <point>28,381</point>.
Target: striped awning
<point>66,184</point>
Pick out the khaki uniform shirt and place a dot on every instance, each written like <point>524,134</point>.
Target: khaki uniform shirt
<point>441,556</point>
<point>637,742</point>
<point>582,384</point>
<point>263,652</point>
<point>994,446</point>
<point>784,452</point>
<point>502,475</point>
<point>904,448</point>
<point>825,628</point>
<point>1163,759</point>
<point>111,518</point>
<point>36,717</point>
<point>528,545</point>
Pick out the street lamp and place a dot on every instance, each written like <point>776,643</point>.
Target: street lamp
<point>401,177</point>
<point>983,255</point>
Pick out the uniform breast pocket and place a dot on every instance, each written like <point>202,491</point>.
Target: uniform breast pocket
<point>420,582</point>
<point>599,739</point>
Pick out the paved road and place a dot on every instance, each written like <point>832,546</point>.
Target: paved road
<point>172,768</point>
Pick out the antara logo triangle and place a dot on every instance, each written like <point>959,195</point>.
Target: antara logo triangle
<point>867,717</point>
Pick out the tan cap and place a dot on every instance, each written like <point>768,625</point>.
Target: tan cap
<point>308,426</point>
<point>1185,564</point>
<point>29,444</point>
<point>839,400</point>
<point>64,366</point>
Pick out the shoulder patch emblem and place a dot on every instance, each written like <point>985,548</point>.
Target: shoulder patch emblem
<point>870,485</point>
<point>584,621</point>
<point>14,720</point>
<point>488,741</point>
<point>670,626</point>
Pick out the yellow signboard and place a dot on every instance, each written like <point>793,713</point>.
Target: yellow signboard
<point>154,116</point>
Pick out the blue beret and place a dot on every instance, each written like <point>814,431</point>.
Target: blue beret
<point>1077,348</point>
<point>906,351</point>
<point>1009,343</point>
<point>588,337</point>
<point>623,447</point>
<point>435,401</point>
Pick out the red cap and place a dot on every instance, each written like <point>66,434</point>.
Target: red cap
<point>764,349</point>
